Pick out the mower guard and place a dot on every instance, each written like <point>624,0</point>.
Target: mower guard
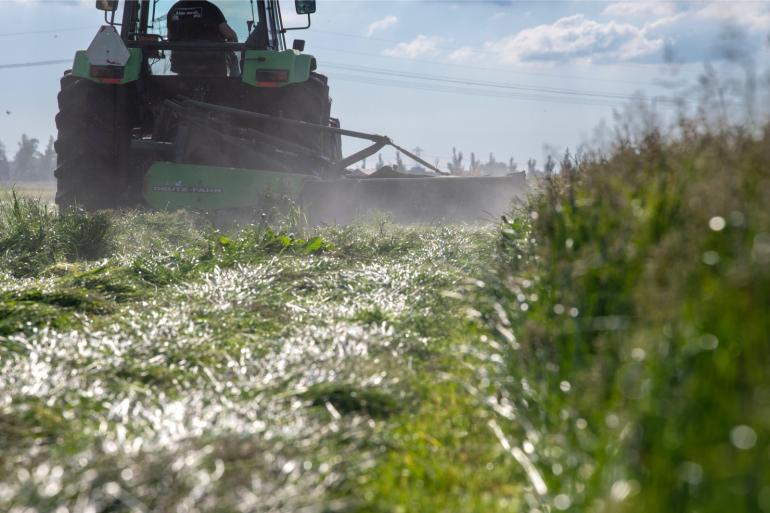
<point>325,197</point>
<point>171,186</point>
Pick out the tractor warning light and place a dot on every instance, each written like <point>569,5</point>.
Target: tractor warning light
<point>272,77</point>
<point>108,74</point>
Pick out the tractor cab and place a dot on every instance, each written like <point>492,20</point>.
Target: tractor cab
<point>255,25</point>
<point>147,17</point>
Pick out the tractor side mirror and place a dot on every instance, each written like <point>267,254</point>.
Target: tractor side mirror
<point>107,5</point>
<point>304,6</point>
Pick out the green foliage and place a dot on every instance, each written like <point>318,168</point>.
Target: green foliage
<point>632,304</point>
<point>34,236</point>
<point>346,398</point>
<point>34,309</point>
<point>5,166</point>
<point>26,159</point>
<point>373,316</point>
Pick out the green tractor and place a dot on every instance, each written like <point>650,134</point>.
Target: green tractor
<point>152,116</point>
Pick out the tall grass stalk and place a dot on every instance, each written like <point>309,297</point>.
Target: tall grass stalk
<point>638,286</point>
<point>33,235</point>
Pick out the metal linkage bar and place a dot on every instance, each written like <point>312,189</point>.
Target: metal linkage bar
<point>380,140</point>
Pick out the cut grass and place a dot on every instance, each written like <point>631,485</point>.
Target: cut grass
<point>34,309</point>
<point>178,367</point>
<point>346,398</point>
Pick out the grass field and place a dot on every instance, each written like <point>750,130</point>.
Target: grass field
<point>604,349</point>
<point>42,191</point>
<point>148,363</point>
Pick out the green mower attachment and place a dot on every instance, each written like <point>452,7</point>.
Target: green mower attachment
<point>325,196</point>
<point>171,186</point>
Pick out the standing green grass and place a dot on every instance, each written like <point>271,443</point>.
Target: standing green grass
<point>638,288</point>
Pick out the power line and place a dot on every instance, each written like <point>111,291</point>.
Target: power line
<point>467,91</point>
<point>488,68</point>
<point>489,84</point>
<point>427,61</point>
<point>638,65</point>
<point>445,85</point>
<point>47,31</point>
<point>34,64</point>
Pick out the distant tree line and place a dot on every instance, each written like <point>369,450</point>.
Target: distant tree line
<point>29,163</point>
<point>475,167</point>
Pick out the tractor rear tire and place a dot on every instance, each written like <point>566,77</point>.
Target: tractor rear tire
<point>309,102</point>
<point>93,136</point>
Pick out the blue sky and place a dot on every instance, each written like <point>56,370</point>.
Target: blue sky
<point>513,78</point>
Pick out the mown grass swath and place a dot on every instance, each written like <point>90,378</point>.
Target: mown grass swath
<point>633,302</point>
<point>181,368</point>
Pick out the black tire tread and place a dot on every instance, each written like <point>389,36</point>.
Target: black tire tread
<point>87,145</point>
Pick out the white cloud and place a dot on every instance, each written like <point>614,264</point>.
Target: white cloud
<point>574,38</point>
<point>753,16</point>
<point>464,54</point>
<point>383,24</point>
<point>421,46</point>
<point>750,15</point>
<point>640,9</point>
<point>641,32</point>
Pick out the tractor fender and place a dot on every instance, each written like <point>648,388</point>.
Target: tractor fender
<point>108,60</point>
<point>268,68</point>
